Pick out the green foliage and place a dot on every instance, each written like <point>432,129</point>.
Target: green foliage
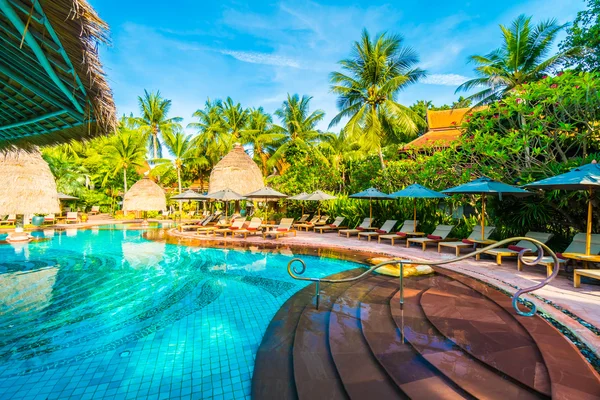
<point>584,33</point>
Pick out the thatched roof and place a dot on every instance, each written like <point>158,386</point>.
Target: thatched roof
<point>236,171</point>
<point>145,195</point>
<point>52,86</point>
<point>27,185</point>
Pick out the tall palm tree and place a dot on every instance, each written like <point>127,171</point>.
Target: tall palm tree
<point>124,150</point>
<point>299,127</point>
<point>339,150</point>
<point>235,118</point>
<point>367,88</point>
<point>155,120</point>
<point>262,136</point>
<point>213,140</point>
<point>523,57</point>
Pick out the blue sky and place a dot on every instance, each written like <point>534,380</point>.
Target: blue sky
<point>258,51</point>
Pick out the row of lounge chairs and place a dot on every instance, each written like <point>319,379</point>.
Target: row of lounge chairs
<point>49,219</point>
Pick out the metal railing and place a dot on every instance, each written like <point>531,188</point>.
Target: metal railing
<point>296,272</point>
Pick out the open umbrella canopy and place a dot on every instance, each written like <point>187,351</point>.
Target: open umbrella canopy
<point>485,185</point>
<point>62,196</point>
<point>267,193</point>
<point>190,195</point>
<point>370,193</point>
<point>300,196</point>
<point>586,177</point>
<point>225,195</point>
<point>417,191</point>
<point>319,196</point>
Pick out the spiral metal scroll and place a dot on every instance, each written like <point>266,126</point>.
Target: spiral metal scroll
<point>295,272</point>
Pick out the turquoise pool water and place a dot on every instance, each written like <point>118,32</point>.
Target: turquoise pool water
<point>107,314</point>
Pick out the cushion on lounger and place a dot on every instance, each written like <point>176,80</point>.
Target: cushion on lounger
<point>233,228</point>
<point>333,225</point>
<point>251,229</point>
<point>559,255</point>
<point>517,248</point>
<point>467,241</point>
<point>381,231</point>
<point>434,237</point>
<point>360,228</point>
<point>282,229</point>
<point>401,234</point>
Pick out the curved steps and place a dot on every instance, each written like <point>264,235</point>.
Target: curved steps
<point>462,340</point>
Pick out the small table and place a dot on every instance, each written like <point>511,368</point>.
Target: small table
<point>586,258</point>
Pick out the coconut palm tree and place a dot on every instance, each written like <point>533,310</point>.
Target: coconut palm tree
<point>298,129</point>
<point>235,118</point>
<point>212,140</point>
<point>523,57</point>
<point>155,120</point>
<point>367,88</point>
<point>261,134</point>
<point>340,150</point>
<point>123,150</point>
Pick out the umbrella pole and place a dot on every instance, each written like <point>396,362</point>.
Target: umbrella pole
<point>588,236</point>
<point>370,212</point>
<point>415,214</point>
<point>483,216</point>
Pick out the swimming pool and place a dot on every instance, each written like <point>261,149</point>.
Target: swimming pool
<point>105,313</point>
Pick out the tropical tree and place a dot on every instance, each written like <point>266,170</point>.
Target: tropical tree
<point>367,89</point>
<point>155,121</point>
<point>123,151</point>
<point>298,128</point>
<point>522,58</point>
<point>234,116</point>
<point>584,33</point>
<point>340,150</point>
<point>261,134</point>
<point>213,141</point>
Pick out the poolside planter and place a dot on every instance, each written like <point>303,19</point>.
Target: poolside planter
<point>37,220</point>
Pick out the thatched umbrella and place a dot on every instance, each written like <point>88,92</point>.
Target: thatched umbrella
<point>237,172</point>
<point>27,185</point>
<point>144,195</point>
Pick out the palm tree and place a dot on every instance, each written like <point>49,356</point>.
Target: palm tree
<point>522,58</point>
<point>213,140</point>
<point>339,150</point>
<point>124,150</point>
<point>261,134</point>
<point>367,89</point>
<point>235,118</point>
<point>299,127</point>
<point>154,120</point>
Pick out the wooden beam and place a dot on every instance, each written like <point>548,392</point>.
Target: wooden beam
<point>33,120</point>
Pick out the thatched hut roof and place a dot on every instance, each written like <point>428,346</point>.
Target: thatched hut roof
<point>236,171</point>
<point>51,80</point>
<point>27,185</point>
<point>145,195</point>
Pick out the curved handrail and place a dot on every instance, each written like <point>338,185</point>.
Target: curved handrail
<point>295,273</point>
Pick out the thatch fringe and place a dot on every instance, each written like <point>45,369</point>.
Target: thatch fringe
<point>236,171</point>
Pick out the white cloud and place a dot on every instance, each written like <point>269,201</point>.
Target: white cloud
<point>262,58</point>
<point>445,79</point>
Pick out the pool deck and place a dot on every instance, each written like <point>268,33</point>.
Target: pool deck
<point>573,308</point>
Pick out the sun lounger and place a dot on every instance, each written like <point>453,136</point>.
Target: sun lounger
<point>312,222</point>
<point>303,219</point>
<point>95,210</point>
<point>10,220</point>
<point>284,227</point>
<point>577,246</point>
<point>49,219</point>
<point>385,229</point>
<point>440,234</point>
<point>335,226</point>
<point>366,223</point>
<point>72,217</point>
<point>319,222</point>
<point>590,273</point>
<point>235,225</point>
<point>465,243</point>
<point>407,228</point>
<point>513,251</point>
<point>251,229</point>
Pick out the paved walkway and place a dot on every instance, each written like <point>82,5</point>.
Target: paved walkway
<point>574,308</point>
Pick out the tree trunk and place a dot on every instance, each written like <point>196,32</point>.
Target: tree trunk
<point>526,144</point>
<point>179,182</point>
<point>381,158</point>
<point>125,180</point>
<point>155,141</point>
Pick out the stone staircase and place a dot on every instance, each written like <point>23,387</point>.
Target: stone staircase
<point>454,338</point>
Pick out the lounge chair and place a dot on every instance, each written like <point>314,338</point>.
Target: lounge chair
<point>513,251</point>
<point>311,222</point>
<point>49,219</point>
<point>320,221</point>
<point>335,226</point>
<point>10,220</point>
<point>440,234</point>
<point>385,229</point>
<point>366,223</point>
<point>284,227</point>
<point>95,210</point>
<point>407,228</point>
<point>577,246</point>
<point>251,229</point>
<point>304,218</point>
<point>235,225</point>
<point>72,217</point>
<point>466,243</point>
<point>589,273</point>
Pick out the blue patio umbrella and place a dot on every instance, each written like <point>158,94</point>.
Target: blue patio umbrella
<point>415,192</point>
<point>371,194</point>
<point>486,186</point>
<point>586,177</point>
